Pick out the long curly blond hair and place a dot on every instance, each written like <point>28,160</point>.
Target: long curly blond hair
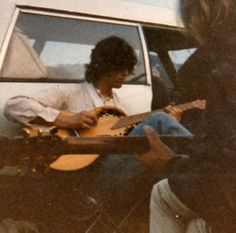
<point>205,19</point>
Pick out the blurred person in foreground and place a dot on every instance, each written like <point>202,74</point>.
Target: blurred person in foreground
<point>199,193</point>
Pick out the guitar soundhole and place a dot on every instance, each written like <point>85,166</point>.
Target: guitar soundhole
<point>109,112</point>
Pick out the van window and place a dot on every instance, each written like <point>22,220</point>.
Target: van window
<point>60,47</point>
<point>178,57</point>
<point>158,70</point>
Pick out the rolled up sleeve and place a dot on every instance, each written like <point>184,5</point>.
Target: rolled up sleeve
<point>45,104</point>
<point>25,109</point>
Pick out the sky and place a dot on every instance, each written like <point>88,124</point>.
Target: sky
<point>169,4</point>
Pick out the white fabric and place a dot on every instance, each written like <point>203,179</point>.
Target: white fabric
<point>47,104</point>
<point>21,60</point>
<point>169,214</point>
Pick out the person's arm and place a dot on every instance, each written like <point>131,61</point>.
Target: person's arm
<point>71,120</point>
<point>24,109</point>
<point>45,109</point>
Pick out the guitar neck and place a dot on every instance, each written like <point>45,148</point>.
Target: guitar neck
<point>108,145</point>
<point>137,118</point>
<point>42,150</point>
<point>120,144</point>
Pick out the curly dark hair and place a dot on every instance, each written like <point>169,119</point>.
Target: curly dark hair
<point>110,55</point>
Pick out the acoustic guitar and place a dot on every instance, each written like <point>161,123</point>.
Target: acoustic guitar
<point>111,121</point>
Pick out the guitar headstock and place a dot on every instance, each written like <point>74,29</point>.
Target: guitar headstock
<point>200,104</point>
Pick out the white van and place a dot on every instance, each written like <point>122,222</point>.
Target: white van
<point>47,43</point>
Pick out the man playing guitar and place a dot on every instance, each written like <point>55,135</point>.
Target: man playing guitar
<point>111,61</point>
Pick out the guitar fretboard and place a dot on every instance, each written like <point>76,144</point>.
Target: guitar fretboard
<point>135,119</point>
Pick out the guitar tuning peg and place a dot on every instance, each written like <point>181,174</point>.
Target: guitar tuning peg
<point>33,169</point>
<point>18,170</point>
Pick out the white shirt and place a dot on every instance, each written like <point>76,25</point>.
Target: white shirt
<point>47,104</point>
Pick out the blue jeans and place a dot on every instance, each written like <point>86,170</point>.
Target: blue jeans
<point>163,124</point>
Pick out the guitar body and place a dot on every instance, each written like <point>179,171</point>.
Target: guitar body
<point>107,117</point>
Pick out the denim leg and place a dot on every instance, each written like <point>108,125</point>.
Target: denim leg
<point>163,124</point>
